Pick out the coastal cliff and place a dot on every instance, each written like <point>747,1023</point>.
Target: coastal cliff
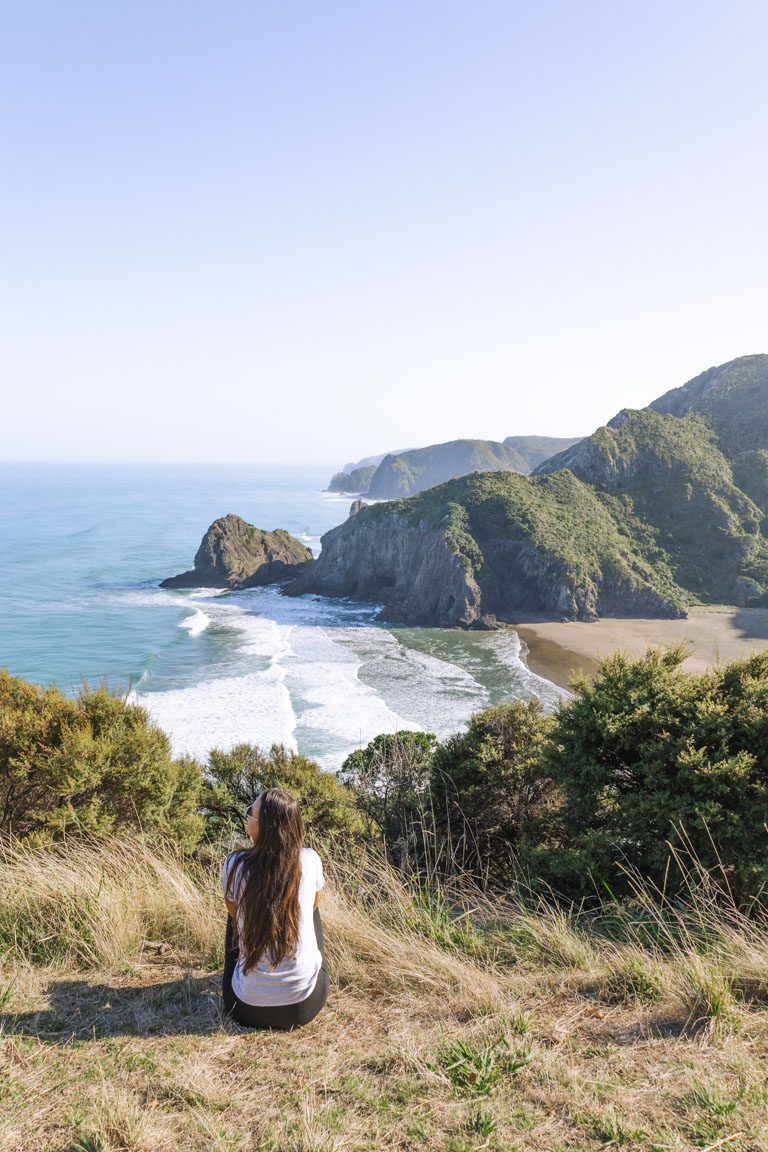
<point>235,554</point>
<point>486,547</point>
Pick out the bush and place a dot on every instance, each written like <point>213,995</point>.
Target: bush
<point>489,787</point>
<point>646,751</point>
<point>390,780</point>
<point>237,777</point>
<point>93,764</point>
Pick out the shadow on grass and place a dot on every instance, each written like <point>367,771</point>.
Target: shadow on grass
<point>82,1010</point>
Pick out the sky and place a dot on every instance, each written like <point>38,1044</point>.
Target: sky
<point>311,230</point>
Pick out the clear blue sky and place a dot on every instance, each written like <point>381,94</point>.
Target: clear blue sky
<point>316,230</point>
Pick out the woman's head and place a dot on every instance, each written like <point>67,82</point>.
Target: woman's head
<point>274,822</point>
<point>268,906</point>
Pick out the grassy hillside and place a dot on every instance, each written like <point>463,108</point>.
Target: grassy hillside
<point>666,480</point>
<point>564,521</point>
<point>559,514</point>
<point>732,398</point>
<point>454,1023</point>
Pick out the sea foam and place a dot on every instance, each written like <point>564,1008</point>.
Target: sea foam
<point>196,623</point>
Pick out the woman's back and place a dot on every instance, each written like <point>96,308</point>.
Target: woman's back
<point>294,977</point>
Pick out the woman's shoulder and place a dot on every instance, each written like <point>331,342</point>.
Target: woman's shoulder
<point>232,861</point>
<point>312,865</point>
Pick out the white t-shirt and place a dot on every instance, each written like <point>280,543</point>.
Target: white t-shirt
<point>294,977</point>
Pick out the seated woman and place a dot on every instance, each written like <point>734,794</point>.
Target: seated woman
<point>275,973</point>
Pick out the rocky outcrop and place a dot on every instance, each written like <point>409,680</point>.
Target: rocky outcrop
<point>234,554</point>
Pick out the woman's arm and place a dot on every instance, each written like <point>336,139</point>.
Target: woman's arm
<point>317,900</point>
<point>232,907</point>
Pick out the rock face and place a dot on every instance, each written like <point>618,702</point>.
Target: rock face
<point>234,554</point>
<point>410,569</point>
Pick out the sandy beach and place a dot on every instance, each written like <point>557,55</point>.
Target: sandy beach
<point>713,635</point>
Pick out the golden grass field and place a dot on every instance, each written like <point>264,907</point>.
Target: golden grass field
<point>455,1021</point>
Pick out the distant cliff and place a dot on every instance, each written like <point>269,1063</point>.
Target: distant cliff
<point>401,474</point>
<point>355,481</point>
<point>234,554</point>
<point>412,472</point>
<point>535,449</point>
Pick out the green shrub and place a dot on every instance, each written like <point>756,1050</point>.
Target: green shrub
<point>646,755</point>
<point>489,788</point>
<point>390,779</point>
<point>238,776</point>
<point>93,764</point>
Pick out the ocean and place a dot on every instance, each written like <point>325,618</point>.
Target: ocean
<point>85,547</point>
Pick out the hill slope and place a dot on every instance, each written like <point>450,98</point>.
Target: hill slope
<point>671,485</point>
<point>733,400</point>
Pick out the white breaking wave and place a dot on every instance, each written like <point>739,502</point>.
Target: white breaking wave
<point>335,711</point>
<point>251,709</point>
<point>195,623</point>
<point>320,677</point>
<point>508,647</point>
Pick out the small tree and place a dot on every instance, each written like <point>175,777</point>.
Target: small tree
<point>489,787</point>
<point>390,780</point>
<point>646,749</point>
<point>236,777</point>
<point>93,764</point>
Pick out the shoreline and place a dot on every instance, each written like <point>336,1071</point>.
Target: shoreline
<point>561,650</point>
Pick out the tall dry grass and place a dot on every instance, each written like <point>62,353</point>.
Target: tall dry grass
<point>96,904</point>
<point>100,905</point>
<point>458,1020</point>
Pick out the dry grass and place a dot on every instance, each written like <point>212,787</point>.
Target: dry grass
<point>454,1022</point>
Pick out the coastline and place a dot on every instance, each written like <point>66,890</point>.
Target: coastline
<point>560,650</point>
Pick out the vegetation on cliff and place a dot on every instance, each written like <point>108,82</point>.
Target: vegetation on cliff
<point>672,486</point>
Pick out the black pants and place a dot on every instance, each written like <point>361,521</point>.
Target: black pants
<point>284,1016</point>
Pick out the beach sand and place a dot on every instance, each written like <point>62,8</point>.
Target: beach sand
<point>713,635</point>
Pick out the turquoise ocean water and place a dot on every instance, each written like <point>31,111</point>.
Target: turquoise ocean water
<point>85,547</point>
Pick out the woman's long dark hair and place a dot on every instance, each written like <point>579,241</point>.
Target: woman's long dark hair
<point>268,877</point>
